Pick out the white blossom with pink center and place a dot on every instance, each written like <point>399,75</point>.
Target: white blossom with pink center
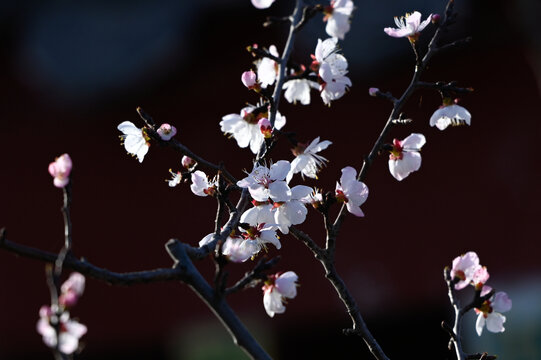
<point>405,156</point>
<point>351,191</point>
<point>450,115</point>
<point>70,331</point>
<point>267,69</point>
<point>409,26</point>
<point>332,70</point>
<point>245,128</point>
<point>134,139</point>
<point>201,186</point>
<point>278,288</point>
<point>337,16</point>
<point>489,313</point>
<point>307,160</point>
<point>464,267</point>
<point>257,236</point>
<point>60,170</point>
<point>264,183</point>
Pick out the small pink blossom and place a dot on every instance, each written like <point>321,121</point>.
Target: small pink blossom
<point>480,277</point>
<point>276,289</point>
<point>187,162</point>
<point>72,289</point>
<point>464,267</point>
<point>166,132</point>
<point>350,191</point>
<point>409,26</point>
<point>373,91</point>
<point>265,127</point>
<point>60,169</point>
<point>405,156</point>
<point>176,178</point>
<point>489,313</point>
<point>249,79</point>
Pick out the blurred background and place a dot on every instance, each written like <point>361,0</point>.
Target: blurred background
<point>72,71</point>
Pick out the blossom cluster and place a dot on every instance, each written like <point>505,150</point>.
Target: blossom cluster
<point>466,271</point>
<point>55,325</point>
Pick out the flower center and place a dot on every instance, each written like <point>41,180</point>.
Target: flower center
<point>341,197</point>
<point>396,152</point>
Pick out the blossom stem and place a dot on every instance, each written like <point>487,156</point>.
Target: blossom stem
<point>296,17</point>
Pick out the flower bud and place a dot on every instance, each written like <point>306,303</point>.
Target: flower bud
<point>188,162</point>
<point>373,91</point>
<point>265,127</point>
<point>166,132</point>
<point>60,169</point>
<point>436,18</point>
<point>249,79</point>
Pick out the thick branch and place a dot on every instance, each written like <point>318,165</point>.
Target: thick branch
<point>241,336</point>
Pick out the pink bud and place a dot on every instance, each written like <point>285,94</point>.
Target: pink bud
<point>249,79</point>
<point>68,299</point>
<point>436,18</point>
<point>265,127</point>
<point>166,132</point>
<point>75,283</point>
<point>373,91</point>
<point>60,169</point>
<point>187,162</point>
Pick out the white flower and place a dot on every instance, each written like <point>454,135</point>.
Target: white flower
<point>201,186</point>
<point>354,193</point>
<point>332,70</point>
<point>293,211</point>
<point>70,331</point>
<point>490,312</point>
<point>176,178</point>
<point>277,289</point>
<point>262,4</point>
<point>267,69</point>
<point>405,157</point>
<point>264,183</point>
<point>135,140</point>
<point>245,128</point>
<point>307,161</point>
<point>260,213</point>
<point>299,90</point>
<point>232,248</point>
<point>409,26</point>
<point>337,17</point>
<point>453,115</point>
<point>464,268</point>
<point>257,236</point>
<point>235,251</point>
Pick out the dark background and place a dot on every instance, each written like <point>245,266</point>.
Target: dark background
<point>71,72</point>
